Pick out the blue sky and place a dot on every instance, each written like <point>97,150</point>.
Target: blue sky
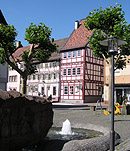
<point>59,15</point>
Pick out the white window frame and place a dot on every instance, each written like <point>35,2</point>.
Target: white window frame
<point>64,72</point>
<point>69,71</point>
<point>71,90</point>
<point>77,89</point>
<point>69,54</point>
<point>74,53</point>
<point>74,72</point>
<point>65,90</point>
<point>78,71</point>
<point>65,55</point>
<point>54,87</point>
<point>79,52</point>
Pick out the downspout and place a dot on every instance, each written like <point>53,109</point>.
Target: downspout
<point>83,92</point>
<point>59,93</point>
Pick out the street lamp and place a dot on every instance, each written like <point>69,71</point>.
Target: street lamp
<point>112,44</point>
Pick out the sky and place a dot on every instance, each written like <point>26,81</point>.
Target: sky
<point>60,15</point>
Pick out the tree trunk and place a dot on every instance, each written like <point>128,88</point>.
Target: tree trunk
<point>24,83</point>
<point>110,85</point>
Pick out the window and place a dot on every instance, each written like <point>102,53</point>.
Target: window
<point>79,53</point>
<point>43,77</point>
<point>54,64</point>
<point>65,89</point>
<point>78,71</point>
<point>49,76</point>
<point>38,76</point>
<point>73,71</point>
<point>42,91</point>
<point>64,72</point>
<point>54,90</point>
<point>50,64</point>
<point>41,65</point>
<point>102,72</point>
<point>65,54</point>
<point>46,65</point>
<point>74,53</point>
<point>12,78</point>
<point>54,75</point>
<point>29,77</point>
<point>69,71</point>
<point>71,90</point>
<point>69,54</point>
<point>34,77</point>
<point>46,75</point>
<point>22,66</point>
<point>77,89</point>
<point>36,87</point>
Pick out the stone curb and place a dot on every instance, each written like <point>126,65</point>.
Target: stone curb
<point>93,144</point>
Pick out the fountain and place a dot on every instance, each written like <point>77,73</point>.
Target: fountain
<point>79,136</point>
<point>66,128</point>
<point>66,133</point>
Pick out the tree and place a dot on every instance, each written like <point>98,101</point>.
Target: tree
<point>38,36</point>
<point>106,23</point>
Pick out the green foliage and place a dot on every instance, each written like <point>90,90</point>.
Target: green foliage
<point>107,22</point>
<point>39,35</point>
<point>40,50</point>
<point>7,41</point>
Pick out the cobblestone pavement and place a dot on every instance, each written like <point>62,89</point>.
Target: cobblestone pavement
<point>82,114</point>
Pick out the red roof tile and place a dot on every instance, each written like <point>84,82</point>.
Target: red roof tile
<point>17,54</point>
<point>78,37</point>
<point>55,56</point>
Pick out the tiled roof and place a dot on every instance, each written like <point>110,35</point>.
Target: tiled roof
<point>2,19</point>
<point>60,43</point>
<point>78,37</point>
<point>55,56</point>
<point>19,52</point>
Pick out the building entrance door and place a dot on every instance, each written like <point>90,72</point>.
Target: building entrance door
<point>119,98</point>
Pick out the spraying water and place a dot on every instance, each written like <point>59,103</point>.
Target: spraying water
<point>66,128</point>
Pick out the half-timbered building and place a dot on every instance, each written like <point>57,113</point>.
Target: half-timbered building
<point>81,72</point>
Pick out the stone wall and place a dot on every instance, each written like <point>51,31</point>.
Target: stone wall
<point>24,120</point>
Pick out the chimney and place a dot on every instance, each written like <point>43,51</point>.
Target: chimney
<point>52,40</point>
<point>76,24</point>
<point>18,44</point>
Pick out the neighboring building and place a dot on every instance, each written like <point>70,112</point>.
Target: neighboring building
<point>122,83</point>
<point>81,72</point>
<point>46,81</point>
<point>3,68</point>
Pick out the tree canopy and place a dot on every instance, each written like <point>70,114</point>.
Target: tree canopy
<point>41,48</point>
<point>106,23</point>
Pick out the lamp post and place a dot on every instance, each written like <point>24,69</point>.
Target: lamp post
<point>112,44</point>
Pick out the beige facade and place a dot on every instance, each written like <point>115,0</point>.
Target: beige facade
<point>122,83</point>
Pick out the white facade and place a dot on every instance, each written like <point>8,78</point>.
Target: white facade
<point>13,80</point>
<point>46,81</point>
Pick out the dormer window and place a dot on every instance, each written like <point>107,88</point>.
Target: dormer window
<point>74,53</point>
<point>65,54</point>
<point>69,54</point>
<point>79,53</point>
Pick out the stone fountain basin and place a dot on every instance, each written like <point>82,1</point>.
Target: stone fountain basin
<point>94,144</point>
